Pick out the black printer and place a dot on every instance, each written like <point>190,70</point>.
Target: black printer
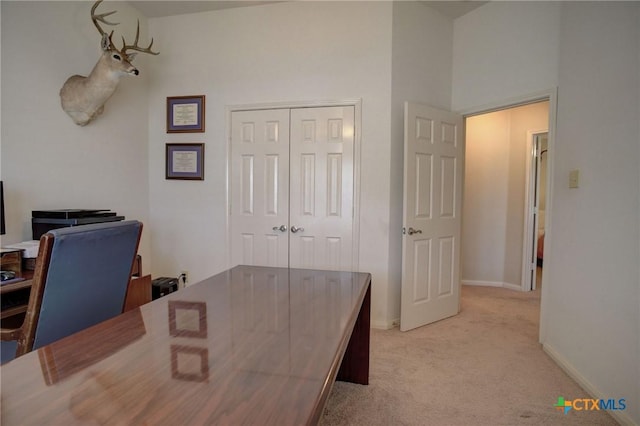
<point>162,286</point>
<point>42,221</point>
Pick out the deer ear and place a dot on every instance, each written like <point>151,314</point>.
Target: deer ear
<point>105,43</point>
<point>131,56</point>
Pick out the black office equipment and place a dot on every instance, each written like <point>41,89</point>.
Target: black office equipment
<point>7,275</point>
<point>43,221</point>
<point>163,286</point>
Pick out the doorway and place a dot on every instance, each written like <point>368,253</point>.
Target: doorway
<point>535,210</point>
<point>497,232</point>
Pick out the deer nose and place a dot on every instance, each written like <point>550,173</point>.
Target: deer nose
<point>136,72</point>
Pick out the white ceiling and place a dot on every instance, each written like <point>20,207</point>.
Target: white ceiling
<point>455,9</point>
<point>158,8</point>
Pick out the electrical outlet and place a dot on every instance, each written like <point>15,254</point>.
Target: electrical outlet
<point>184,277</point>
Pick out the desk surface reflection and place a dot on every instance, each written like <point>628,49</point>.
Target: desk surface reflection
<point>252,345</point>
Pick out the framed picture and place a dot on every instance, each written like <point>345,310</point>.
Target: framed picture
<point>187,319</point>
<point>185,161</point>
<point>185,114</point>
<point>189,363</point>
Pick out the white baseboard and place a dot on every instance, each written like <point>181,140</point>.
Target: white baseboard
<point>385,325</point>
<point>512,286</point>
<point>620,416</point>
<point>482,283</point>
<point>501,284</point>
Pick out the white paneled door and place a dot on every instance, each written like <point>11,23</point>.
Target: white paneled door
<point>292,186</point>
<point>260,187</point>
<point>321,188</point>
<point>433,167</point>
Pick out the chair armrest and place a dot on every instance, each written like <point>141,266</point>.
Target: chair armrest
<point>8,334</point>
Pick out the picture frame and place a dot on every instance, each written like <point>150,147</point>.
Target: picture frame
<point>185,114</point>
<point>189,363</point>
<point>184,161</point>
<point>187,319</point>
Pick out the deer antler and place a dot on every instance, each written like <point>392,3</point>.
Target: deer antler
<point>97,18</point>
<point>100,18</point>
<point>135,46</point>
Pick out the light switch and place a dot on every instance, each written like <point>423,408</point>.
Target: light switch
<point>574,177</point>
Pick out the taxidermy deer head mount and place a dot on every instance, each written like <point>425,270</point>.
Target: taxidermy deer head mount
<point>83,98</point>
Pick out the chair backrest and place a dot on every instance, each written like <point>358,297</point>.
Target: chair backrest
<point>81,279</point>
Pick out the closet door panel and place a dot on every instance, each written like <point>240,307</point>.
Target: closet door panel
<point>321,188</point>
<point>260,187</point>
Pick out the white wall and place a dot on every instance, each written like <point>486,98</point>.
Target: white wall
<point>593,310</point>
<point>485,199</point>
<point>591,289</point>
<point>421,72</point>
<point>284,52</point>
<point>48,162</point>
<point>489,40</point>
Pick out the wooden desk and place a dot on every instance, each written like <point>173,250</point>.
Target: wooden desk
<point>252,345</point>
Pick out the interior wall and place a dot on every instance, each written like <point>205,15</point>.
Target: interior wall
<point>47,161</point>
<point>593,310</point>
<point>484,204</point>
<point>421,72</point>
<point>283,52</point>
<point>590,313</point>
<point>491,39</point>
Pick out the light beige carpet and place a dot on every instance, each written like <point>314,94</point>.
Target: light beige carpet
<point>481,367</point>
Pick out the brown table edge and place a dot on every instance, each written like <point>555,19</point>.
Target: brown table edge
<point>351,363</point>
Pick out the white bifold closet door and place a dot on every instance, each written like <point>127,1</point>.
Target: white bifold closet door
<point>292,185</point>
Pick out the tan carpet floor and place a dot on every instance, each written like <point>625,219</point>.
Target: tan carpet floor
<point>482,367</point>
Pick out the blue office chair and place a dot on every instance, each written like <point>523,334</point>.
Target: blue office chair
<point>81,278</point>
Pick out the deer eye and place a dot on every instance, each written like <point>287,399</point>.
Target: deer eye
<point>116,56</point>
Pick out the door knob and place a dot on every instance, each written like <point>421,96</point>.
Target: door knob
<point>281,228</point>
<point>294,229</point>
<point>412,231</point>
